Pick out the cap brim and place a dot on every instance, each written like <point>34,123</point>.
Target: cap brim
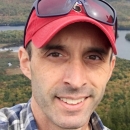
<point>45,34</point>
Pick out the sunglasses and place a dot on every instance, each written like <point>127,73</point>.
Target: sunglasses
<point>96,9</point>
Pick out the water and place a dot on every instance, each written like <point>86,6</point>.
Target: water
<point>123,46</point>
<point>14,49</point>
<point>5,28</point>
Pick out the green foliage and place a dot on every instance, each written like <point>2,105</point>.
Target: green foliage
<point>14,37</point>
<point>127,37</point>
<point>14,89</point>
<point>114,108</point>
<point>14,12</point>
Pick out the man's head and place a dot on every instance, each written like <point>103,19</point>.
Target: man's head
<point>69,67</point>
<point>43,22</point>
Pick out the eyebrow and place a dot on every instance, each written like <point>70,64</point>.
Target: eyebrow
<point>54,46</point>
<point>98,50</point>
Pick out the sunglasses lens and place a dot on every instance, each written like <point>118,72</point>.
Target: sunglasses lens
<point>54,7</point>
<point>100,11</point>
<point>96,9</point>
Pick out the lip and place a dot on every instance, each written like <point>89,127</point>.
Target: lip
<point>71,107</point>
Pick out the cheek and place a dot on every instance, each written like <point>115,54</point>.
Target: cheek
<point>46,74</point>
<point>99,77</point>
<point>98,80</point>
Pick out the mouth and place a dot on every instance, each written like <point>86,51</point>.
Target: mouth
<point>72,101</point>
<point>71,104</point>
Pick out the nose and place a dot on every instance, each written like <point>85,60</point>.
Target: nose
<point>75,75</point>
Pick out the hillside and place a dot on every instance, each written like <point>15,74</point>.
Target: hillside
<point>15,12</point>
<point>123,12</point>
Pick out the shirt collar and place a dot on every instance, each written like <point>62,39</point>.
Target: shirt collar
<point>95,121</point>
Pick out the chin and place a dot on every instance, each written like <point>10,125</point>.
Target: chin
<point>69,124</point>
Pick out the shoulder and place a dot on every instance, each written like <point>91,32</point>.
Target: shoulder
<point>12,111</point>
<point>105,128</point>
<point>11,116</point>
<point>96,122</point>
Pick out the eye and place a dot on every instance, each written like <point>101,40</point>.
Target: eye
<point>54,54</point>
<point>94,57</point>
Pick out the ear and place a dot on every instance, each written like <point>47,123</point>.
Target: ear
<point>112,65</point>
<point>24,62</point>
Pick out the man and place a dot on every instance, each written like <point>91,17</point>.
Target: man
<point>68,56</point>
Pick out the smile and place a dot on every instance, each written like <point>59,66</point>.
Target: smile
<point>72,101</point>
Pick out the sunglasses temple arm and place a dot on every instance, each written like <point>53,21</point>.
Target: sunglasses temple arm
<point>116,27</point>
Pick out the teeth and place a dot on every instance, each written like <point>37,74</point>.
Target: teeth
<point>72,101</point>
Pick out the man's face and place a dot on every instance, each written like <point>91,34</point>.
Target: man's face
<point>69,75</point>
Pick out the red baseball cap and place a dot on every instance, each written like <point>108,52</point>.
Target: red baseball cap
<point>42,30</point>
